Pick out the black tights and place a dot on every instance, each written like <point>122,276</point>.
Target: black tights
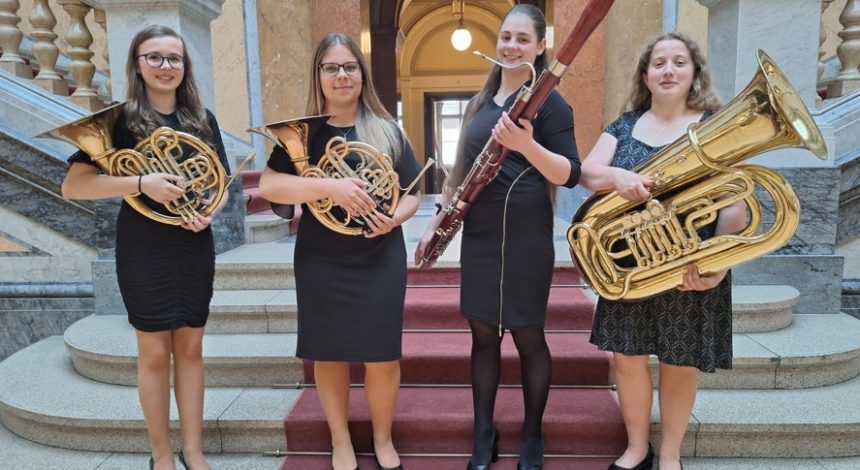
<point>535,368</point>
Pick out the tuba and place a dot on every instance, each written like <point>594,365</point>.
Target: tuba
<point>204,178</point>
<point>630,250</point>
<point>368,164</point>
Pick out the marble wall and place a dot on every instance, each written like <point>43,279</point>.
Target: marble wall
<point>285,31</point>
<point>230,67</point>
<point>21,328</point>
<point>584,85</point>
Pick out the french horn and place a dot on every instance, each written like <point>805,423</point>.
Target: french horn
<point>382,183</point>
<point>204,180</point>
<point>629,250</point>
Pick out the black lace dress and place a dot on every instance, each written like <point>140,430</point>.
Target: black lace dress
<point>680,328</point>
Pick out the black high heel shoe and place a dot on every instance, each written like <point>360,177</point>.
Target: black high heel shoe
<point>493,459</point>
<point>538,466</point>
<point>182,460</point>
<point>646,464</point>
<point>380,467</point>
<point>151,464</point>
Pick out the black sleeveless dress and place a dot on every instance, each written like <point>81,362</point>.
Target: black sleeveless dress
<point>507,253</point>
<point>165,273</point>
<point>350,289</point>
<point>680,328</point>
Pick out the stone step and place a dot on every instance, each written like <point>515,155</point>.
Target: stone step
<point>21,454</point>
<point>44,400</point>
<point>814,422</point>
<point>262,228</point>
<point>756,309</point>
<point>104,348</point>
<point>269,265</point>
<point>60,408</point>
<point>815,350</point>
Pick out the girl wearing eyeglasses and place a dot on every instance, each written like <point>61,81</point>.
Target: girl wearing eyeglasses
<point>350,289</point>
<point>165,272</point>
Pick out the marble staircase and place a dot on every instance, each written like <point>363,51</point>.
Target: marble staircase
<point>792,393</point>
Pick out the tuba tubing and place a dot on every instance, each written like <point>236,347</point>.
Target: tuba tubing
<point>696,175</point>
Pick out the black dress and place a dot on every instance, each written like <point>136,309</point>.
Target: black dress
<point>507,252</point>
<point>350,289</point>
<point>165,272</point>
<point>681,328</point>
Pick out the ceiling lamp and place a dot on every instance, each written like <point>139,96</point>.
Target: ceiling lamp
<point>461,38</point>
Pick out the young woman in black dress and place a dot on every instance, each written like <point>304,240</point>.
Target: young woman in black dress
<point>165,272</point>
<point>350,289</point>
<point>507,253</point>
<point>688,329</point>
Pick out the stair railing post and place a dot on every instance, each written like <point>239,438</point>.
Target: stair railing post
<point>101,19</point>
<point>44,49</point>
<point>10,40</point>
<point>848,51</point>
<point>82,68</point>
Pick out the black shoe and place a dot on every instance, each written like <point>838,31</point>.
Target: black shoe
<point>538,466</point>
<point>151,464</point>
<point>380,467</point>
<point>646,464</point>
<point>182,460</point>
<point>493,459</point>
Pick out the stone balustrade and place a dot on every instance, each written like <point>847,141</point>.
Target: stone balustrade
<point>45,51</point>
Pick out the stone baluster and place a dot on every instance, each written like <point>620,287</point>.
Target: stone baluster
<point>822,36</point>
<point>848,51</point>
<point>10,40</point>
<point>101,19</point>
<point>44,49</point>
<point>81,67</point>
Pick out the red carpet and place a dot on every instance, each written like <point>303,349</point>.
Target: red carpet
<point>443,358</point>
<point>438,420</point>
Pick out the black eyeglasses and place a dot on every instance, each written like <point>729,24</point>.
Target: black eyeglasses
<point>331,69</point>
<point>156,60</point>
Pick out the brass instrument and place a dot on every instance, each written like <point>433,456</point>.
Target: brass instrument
<point>628,251</point>
<point>373,167</point>
<point>203,175</point>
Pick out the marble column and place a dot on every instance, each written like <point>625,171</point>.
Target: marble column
<point>189,18</point>
<point>736,28</point>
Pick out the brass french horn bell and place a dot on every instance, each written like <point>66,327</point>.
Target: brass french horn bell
<point>369,165</point>
<point>203,177</point>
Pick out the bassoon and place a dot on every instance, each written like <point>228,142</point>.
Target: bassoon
<point>529,101</point>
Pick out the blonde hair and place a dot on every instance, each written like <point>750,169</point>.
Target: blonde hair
<point>373,123</point>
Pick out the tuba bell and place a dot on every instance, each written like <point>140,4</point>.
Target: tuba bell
<point>368,164</point>
<point>630,250</point>
<point>204,177</point>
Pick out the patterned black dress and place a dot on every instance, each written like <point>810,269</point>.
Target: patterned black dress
<point>680,328</point>
<point>350,289</point>
<point>507,252</point>
<point>165,272</point>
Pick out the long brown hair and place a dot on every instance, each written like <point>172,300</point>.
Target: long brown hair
<point>491,86</point>
<point>701,95</point>
<point>373,123</point>
<point>141,118</point>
